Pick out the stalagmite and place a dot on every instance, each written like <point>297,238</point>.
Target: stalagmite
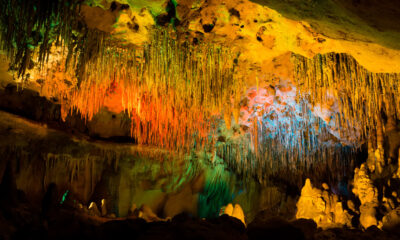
<point>397,173</point>
<point>93,210</point>
<point>379,152</point>
<point>351,206</point>
<point>103,207</point>
<point>371,155</point>
<point>391,221</point>
<point>234,211</point>
<point>368,195</point>
<point>322,207</point>
<point>238,213</point>
<point>229,209</point>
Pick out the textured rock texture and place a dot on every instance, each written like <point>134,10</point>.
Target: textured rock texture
<point>368,195</point>
<point>322,206</point>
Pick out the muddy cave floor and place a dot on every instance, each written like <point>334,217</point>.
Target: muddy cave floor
<point>47,218</point>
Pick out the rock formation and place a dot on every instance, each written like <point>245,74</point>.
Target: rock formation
<point>144,118</point>
<point>391,221</point>
<point>322,206</point>
<point>364,189</point>
<point>234,211</point>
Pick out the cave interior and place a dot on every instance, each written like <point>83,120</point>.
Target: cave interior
<point>200,119</point>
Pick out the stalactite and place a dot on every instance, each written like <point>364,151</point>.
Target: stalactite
<point>29,28</point>
<point>330,163</point>
<point>286,138</point>
<point>175,93</point>
<point>363,96</point>
<point>171,90</point>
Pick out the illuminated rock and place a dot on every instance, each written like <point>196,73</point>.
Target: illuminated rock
<point>134,26</point>
<point>388,203</point>
<point>238,213</point>
<point>93,210</point>
<point>103,207</point>
<point>322,207</point>
<point>379,160</point>
<point>397,173</point>
<point>234,211</point>
<point>363,187</point>
<point>253,28</point>
<point>368,195</point>
<point>351,206</point>
<point>229,209</point>
<point>311,204</point>
<point>82,208</point>
<point>368,215</point>
<point>391,220</point>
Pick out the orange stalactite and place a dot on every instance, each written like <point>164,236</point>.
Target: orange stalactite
<point>113,99</point>
<point>170,89</point>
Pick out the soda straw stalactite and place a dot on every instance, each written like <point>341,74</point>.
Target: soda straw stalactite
<point>363,95</point>
<point>365,98</point>
<point>170,89</point>
<point>286,138</point>
<point>30,28</point>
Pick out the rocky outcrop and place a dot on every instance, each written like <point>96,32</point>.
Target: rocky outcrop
<point>322,206</point>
